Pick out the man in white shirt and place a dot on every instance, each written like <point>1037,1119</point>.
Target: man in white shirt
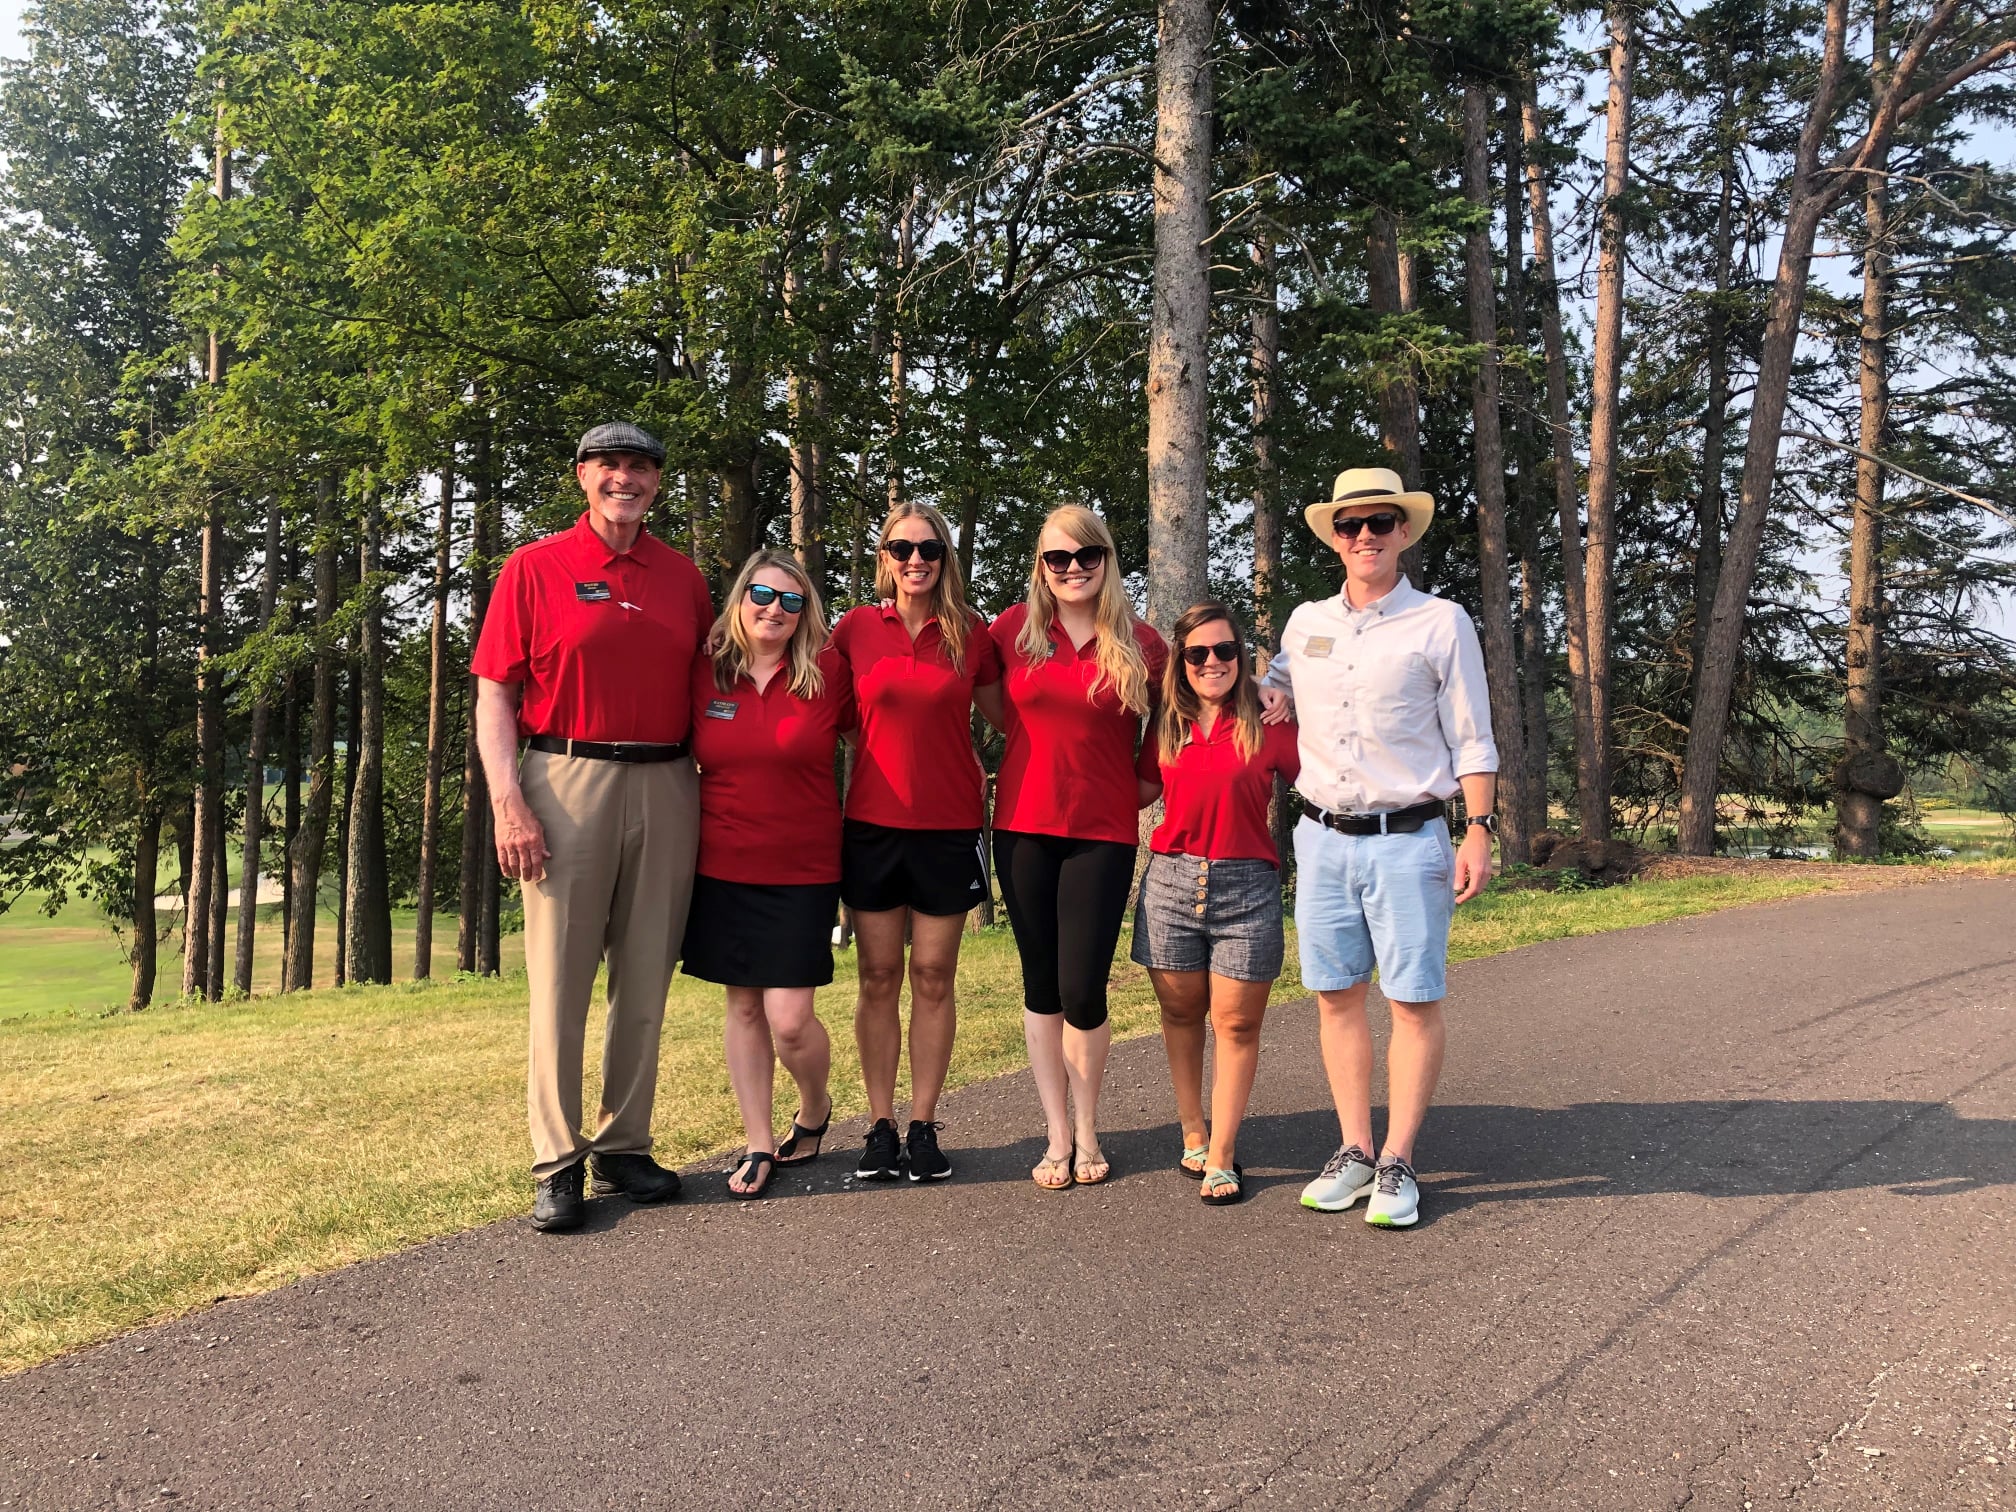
<point>1388,688</point>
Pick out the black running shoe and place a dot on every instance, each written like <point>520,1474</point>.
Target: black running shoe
<point>921,1153</point>
<point>883,1159</point>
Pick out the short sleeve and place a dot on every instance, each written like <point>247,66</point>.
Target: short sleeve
<point>1284,751</point>
<point>1148,760</point>
<point>985,654</point>
<point>703,598</point>
<point>504,648</point>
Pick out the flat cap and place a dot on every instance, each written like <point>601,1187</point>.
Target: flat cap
<point>620,436</point>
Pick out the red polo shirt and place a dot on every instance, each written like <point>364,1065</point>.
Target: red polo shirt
<point>602,640</point>
<point>914,766</point>
<point>1068,768</point>
<point>1214,801</point>
<point>769,809</point>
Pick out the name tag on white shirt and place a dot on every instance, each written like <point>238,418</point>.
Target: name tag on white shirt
<point>1318,645</point>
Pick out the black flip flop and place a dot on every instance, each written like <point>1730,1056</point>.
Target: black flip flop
<point>787,1152</point>
<point>764,1163</point>
<point>1237,1194</point>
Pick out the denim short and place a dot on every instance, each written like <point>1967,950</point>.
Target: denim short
<point>1218,916</point>
<point>1374,900</point>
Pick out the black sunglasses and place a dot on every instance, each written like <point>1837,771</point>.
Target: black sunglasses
<point>1087,557</point>
<point>1225,651</point>
<point>1379,524</point>
<point>762,595</point>
<point>931,551</point>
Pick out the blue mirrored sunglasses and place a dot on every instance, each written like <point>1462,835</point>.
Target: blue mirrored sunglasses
<point>762,595</point>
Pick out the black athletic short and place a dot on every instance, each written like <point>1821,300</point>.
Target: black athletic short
<point>754,934</point>
<point>940,872</point>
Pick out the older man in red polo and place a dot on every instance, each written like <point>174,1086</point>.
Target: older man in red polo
<point>584,657</point>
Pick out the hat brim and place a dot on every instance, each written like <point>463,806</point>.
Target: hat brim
<point>1418,507</point>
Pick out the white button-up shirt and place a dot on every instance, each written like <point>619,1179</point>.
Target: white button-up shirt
<point>1390,698</point>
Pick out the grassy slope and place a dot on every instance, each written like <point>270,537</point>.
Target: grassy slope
<point>161,1160</point>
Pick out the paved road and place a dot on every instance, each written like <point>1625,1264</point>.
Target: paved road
<point>1720,1215</point>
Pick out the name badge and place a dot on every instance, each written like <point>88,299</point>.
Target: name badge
<point>721,708</point>
<point>1318,646</point>
<point>592,593</point>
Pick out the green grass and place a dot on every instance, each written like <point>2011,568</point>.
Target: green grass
<point>158,1161</point>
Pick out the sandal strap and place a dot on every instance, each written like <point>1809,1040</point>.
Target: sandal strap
<point>1216,1180</point>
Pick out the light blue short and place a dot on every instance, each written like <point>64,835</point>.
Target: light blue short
<point>1374,900</point>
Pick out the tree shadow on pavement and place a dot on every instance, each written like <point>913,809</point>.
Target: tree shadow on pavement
<point>1472,1153</point>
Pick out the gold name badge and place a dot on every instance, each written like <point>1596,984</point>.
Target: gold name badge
<point>1318,645</point>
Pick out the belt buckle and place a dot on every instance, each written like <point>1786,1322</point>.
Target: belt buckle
<point>618,751</point>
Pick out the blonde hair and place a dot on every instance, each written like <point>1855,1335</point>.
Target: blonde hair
<point>1181,707</point>
<point>1121,664</point>
<point>728,642</point>
<point>948,595</point>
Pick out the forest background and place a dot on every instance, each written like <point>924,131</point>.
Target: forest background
<point>1696,320</point>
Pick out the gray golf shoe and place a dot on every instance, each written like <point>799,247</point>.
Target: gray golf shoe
<point>1396,1195</point>
<point>1346,1177</point>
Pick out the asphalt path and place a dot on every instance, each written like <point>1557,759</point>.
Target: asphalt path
<point>1717,1214</point>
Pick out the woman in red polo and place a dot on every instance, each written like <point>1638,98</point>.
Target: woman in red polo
<point>770,702</point>
<point>910,857</point>
<point>1081,673</point>
<point>1209,923</point>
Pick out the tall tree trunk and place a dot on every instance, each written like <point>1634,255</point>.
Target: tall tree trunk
<point>1532,609</point>
<point>899,350</point>
<point>346,804</point>
<point>1606,380</point>
<point>477,856</point>
<point>1867,774</point>
<point>204,867</point>
<point>220,902</point>
<point>147,836</point>
<point>290,803</point>
<point>1179,379</point>
<point>1263,366</point>
<point>208,872</point>
<point>255,769</point>
<point>369,939</point>
<point>1809,202</point>
<point>1591,792</point>
<point>1494,558</point>
<point>146,867</point>
<point>312,838</point>
<point>807,529</point>
<point>437,731</point>
<point>1400,396</point>
<point>1715,420</point>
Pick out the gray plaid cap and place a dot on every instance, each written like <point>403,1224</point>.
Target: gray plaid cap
<point>620,436</point>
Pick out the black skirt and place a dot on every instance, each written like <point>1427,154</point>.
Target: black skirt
<point>755,934</point>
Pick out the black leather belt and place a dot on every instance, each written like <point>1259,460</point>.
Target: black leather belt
<point>1393,822</point>
<point>600,750</point>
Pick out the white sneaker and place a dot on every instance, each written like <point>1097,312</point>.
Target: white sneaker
<point>1396,1195</point>
<point>1346,1177</point>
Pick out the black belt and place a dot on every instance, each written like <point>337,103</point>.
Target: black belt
<point>600,750</point>
<point>1393,822</point>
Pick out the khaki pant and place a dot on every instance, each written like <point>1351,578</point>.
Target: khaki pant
<point>617,886</point>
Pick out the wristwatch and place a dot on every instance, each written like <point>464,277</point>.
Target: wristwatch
<point>1489,821</point>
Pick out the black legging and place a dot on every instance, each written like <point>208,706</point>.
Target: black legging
<point>1066,899</point>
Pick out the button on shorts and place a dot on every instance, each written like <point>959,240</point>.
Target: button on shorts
<point>1374,900</point>
<point>1196,914</point>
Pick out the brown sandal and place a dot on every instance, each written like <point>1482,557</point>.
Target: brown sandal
<point>1057,1165</point>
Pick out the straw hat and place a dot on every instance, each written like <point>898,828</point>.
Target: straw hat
<point>1370,485</point>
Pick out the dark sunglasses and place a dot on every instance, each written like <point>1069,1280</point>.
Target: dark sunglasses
<point>1379,524</point>
<point>1087,557</point>
<point>1225,651</point>
<point>931,551</point>
<point>762,595</point>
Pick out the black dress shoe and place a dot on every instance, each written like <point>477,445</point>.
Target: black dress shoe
<point>638,1177</point>
<point>556,1205</point>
